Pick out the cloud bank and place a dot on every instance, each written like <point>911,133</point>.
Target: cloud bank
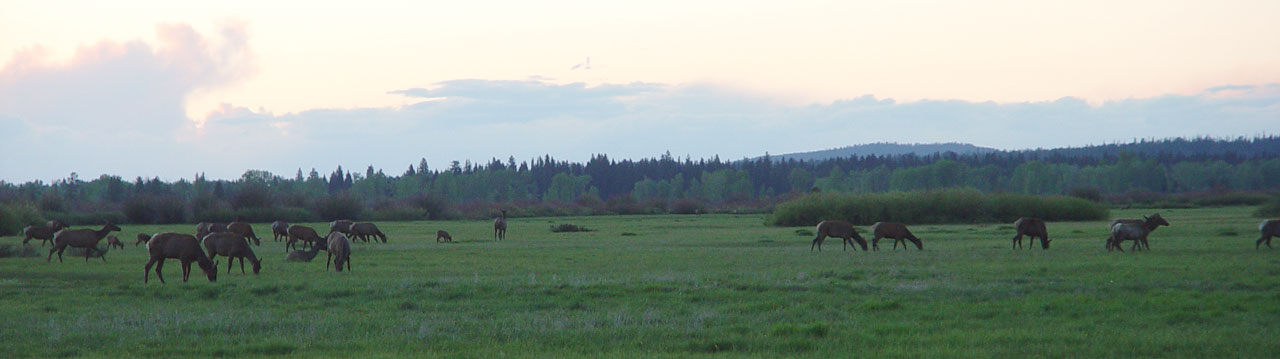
<point>118,108</point>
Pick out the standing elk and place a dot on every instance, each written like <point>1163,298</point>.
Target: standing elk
<point>340,248</point>
<point>441,234</point>
<point>180,246</point>
<point>364,230</point>
<point>1147,224</point>
<point>896,231</point>
<point>204,228</point>
<point>1269,228</point>
<point>500,226</point>
<point>80,238</point>
<point>837,229</point>
<point>232,246</point>
<point>341,226</point>
<point>244,230</point>
<point>307,235</point>
<point>279,230</point>
<point>142,239</point>
<point>1031,227</point>
<point>43,233</point>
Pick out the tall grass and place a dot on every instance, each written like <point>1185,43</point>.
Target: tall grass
<point>946,206</point>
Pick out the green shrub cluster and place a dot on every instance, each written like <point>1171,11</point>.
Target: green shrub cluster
<point>944,206</point>
<point>13,217</point>
<point>1269,210</point>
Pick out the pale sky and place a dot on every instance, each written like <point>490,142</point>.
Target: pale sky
<point>164,88</point>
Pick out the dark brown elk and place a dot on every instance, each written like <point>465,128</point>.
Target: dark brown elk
<point>180,246</point>
<point>307,235</point>
<point>341,226</point>
<point>204,228</point>
<point>339,251</point>
<point>231,245</point>
<point>1147,224</point>
<point>896,231</point>
<point>500,226</point>
<point>279,230</point>
<point>364,230</point>
<point>441,234</point>
<point>244,230</point>
<point>142,239</point>
<point>80,238</point>
<point>837,229</point>
<point>112,241</point>
<point>43,233</point>
<point>1031,227</point>
<point>1269,228</point>
<point>307,255</point>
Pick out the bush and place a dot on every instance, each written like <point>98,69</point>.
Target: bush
<point>433,207</point>
<point>1231,199</point>
<point>566,227</point>
<point>1269,210</point>
<point>13,217</point>
<point>157,209</point>
<point>15,251</point>
<point>688,206</point>
<point>90,218</point>
<point>271,214</point>
<point>339,206</point>
<point>946,206</point>
<point>1087,193</point>
<point>396,213</point>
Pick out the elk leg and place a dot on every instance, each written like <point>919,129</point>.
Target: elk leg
<point>326,261</point>
<point>875,243</point>
<point>186,270</point>
<point>159,273</point>
<point>146,271</point>
<point>241,265</point>
<point>1016,239</point>
<point>817,241</point>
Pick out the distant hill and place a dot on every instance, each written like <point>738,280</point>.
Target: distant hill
<point>885,149</point>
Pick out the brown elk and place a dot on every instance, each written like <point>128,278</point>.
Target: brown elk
<point>231,245</point>
<point>112,241</point>
<point>80,238</point>
<point>204,228</point>
<point>441,234</point>
<point>341,226</point>
<point>180,246</point>
<point>279,229</point>
<point>364,230</point>
<point>1031,227</point>
<point>1146,225</point>
<point>1269,228</point>
<point>340,248</point>
<point>896,231</point>
<point>43,233</point>
<point>307,235</point>
<point>837,229</point>
<point>244,230</point>
<point>142,239</point>
<point>500,226</point>
<point>307,255</point>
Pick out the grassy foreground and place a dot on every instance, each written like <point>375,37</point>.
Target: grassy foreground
<point>672,286</point>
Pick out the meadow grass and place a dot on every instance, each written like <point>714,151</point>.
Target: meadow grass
<point>671,286</point>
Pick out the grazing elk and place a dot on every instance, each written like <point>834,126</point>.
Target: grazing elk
<point>43,233</point>
<point>896,231</point>
<point>307,235</point>
<point>204,228</point>
<point>1031,227</point>
<point>80,238</point>
<point>341,226</point>
<point>232,246</point>
<point>364,230</point>
<point>837,229</point>
<point>441,234</point>
<point>307,255</point>
<point>1269,228</point>
<point>279,229</point>
<point>340,248</point>
<point>112,241</point>
<point>244,230</point>
<point>142,239</point>
<point>180,246</point>
<point>500,226</point>
<point>1147,224</point>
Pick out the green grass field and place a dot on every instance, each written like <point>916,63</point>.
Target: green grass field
<point>671,286</point>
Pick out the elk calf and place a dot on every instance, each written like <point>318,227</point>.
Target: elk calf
<point>500,226</point>
<point>441,234</point>
<point>112,241</point>
<point>1136,230</point>
<point>837,229</point>
<point>1031,227</point>
<point>279,230</point>
<point>896,231</point>
<point>1269,228</point>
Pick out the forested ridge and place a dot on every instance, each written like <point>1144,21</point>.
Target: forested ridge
<point>547,186</point>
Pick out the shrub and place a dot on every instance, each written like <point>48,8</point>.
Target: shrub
<point>158,209</point>
<point>13,217</point>
<point>271,214</point>
<point>339,206</point>
<point>688,206</point>
<point>1231,199</point>
<point>90,218</point>
<point>945,206</point>
<point>1269,210</point>
<point>15,251</point>
<point>1087,193</point>
<point>566,227</point>
<point>433,207</point>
